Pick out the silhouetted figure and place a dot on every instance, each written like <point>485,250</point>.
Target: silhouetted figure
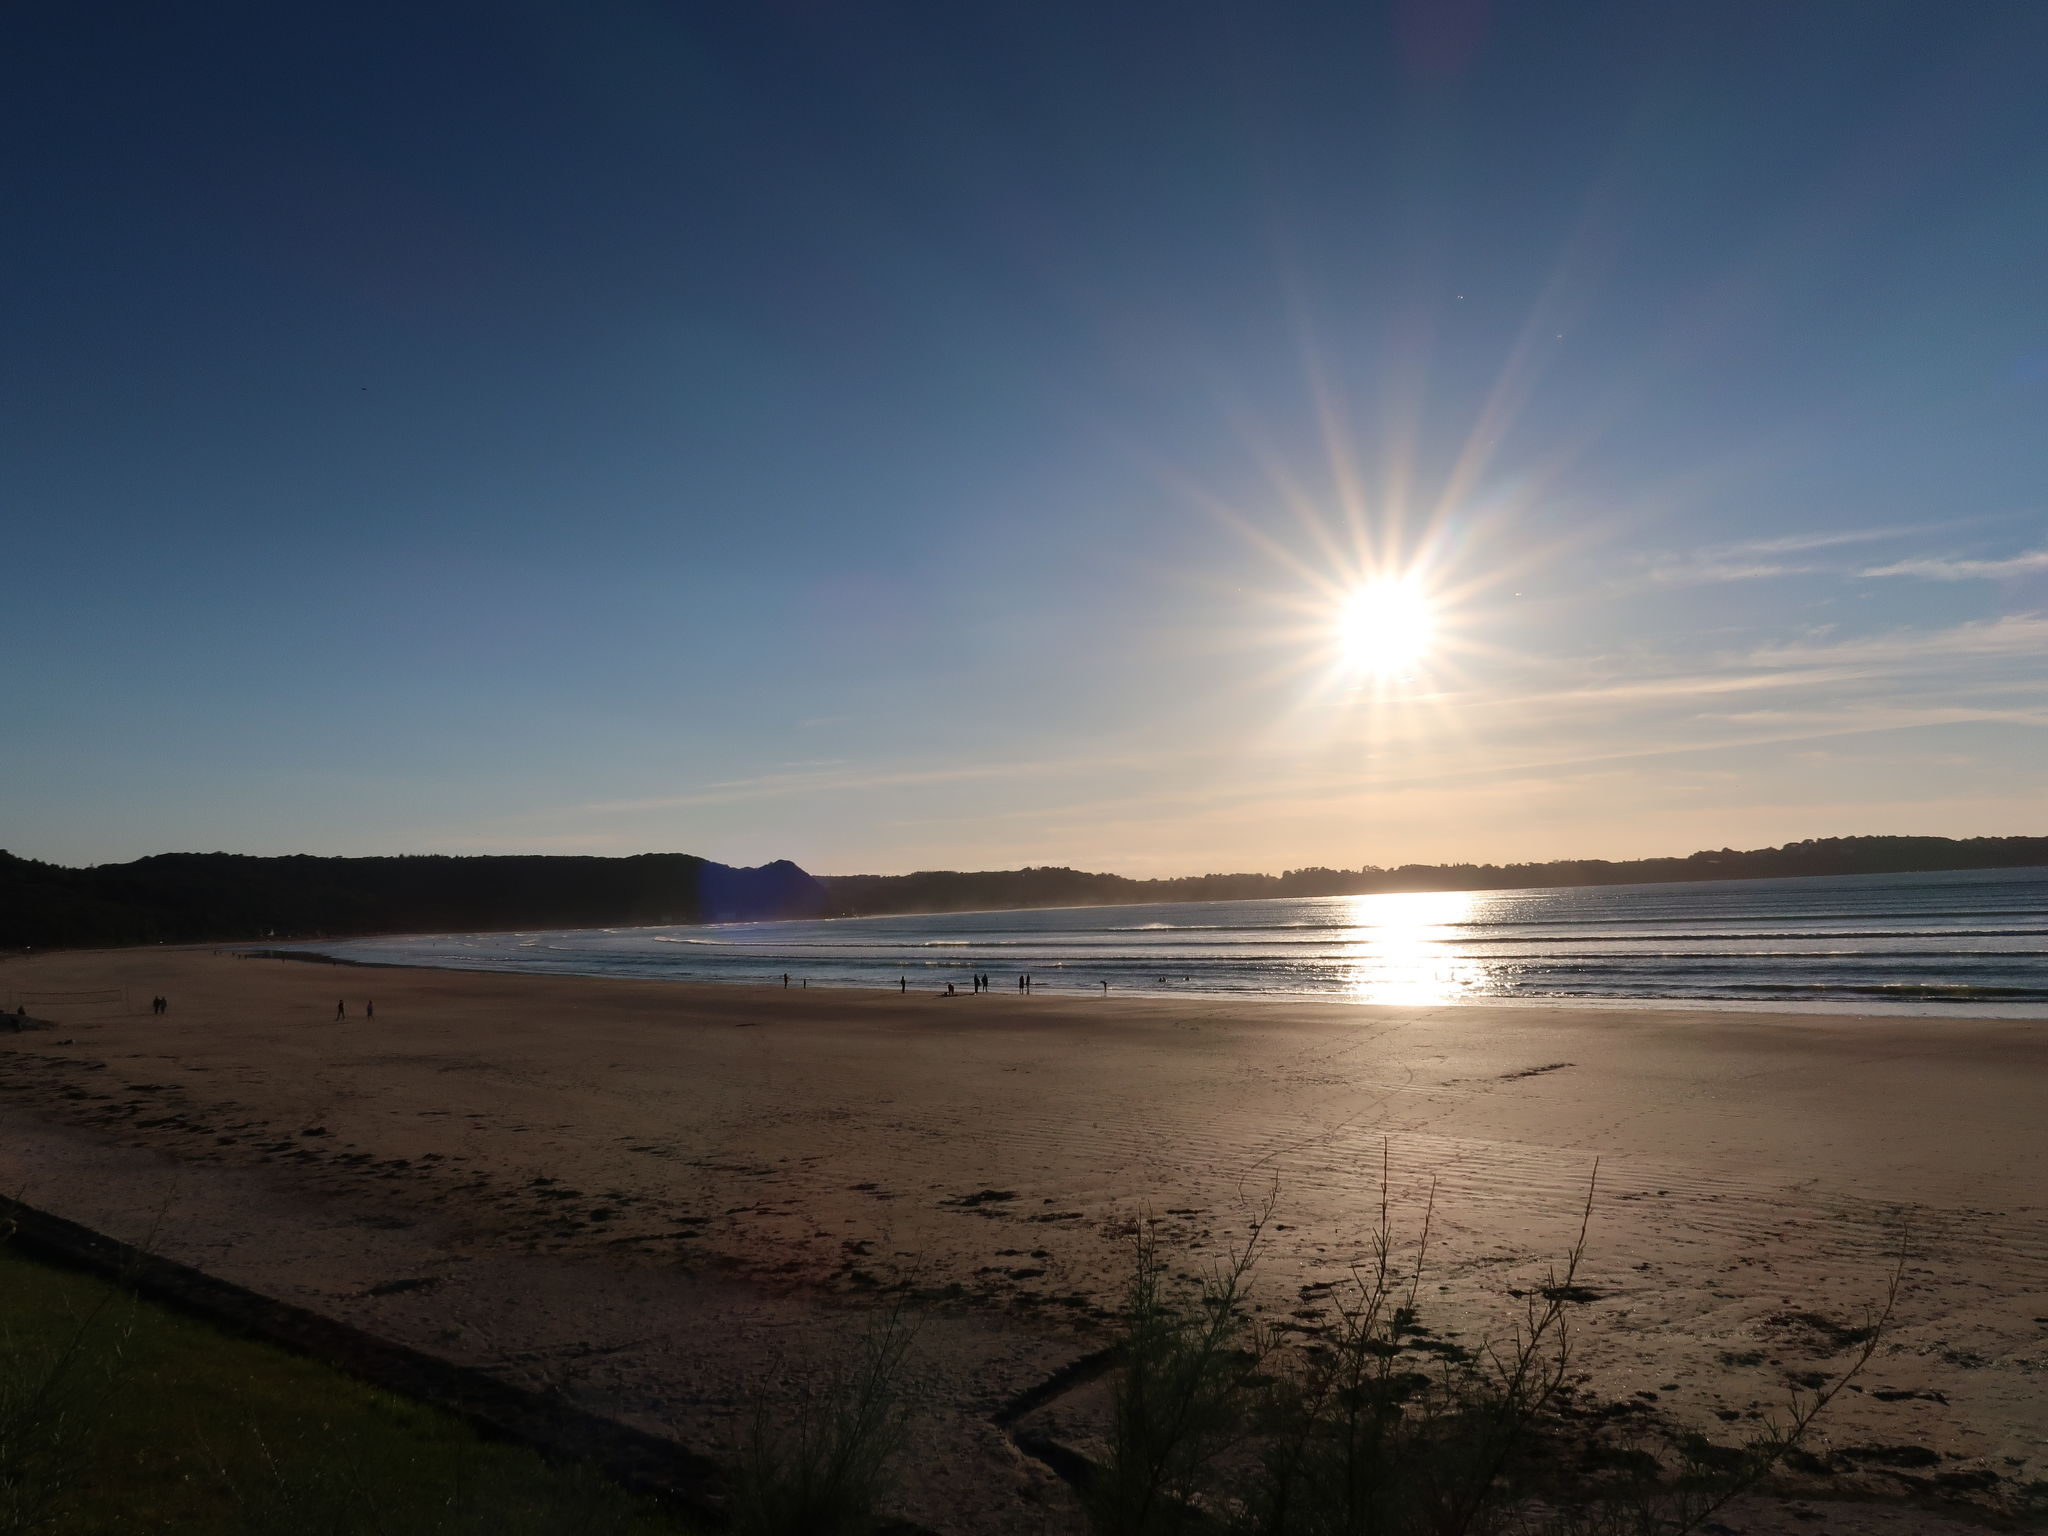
<point>1105,989</point>
<point>949,990</point>
<point>1020,983</point>
<point>340,1008</point>
<point>785,981</point>
<point>902,983</point>
<point>369,1010</point>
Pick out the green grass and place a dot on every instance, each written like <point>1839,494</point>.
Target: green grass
<point>119,1416</point>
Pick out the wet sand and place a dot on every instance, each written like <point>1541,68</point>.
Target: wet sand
<point>638,1192</point>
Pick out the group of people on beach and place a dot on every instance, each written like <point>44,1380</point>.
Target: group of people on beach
<point>341,1009</point>
<point>159,1005</point>
<point>981,983</point>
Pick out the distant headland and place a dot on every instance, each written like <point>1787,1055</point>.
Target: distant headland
<point>184,898</point>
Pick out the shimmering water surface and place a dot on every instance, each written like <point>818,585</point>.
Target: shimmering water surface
<point>1971,941</point>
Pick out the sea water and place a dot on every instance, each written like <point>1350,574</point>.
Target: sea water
<point>1970,941</point>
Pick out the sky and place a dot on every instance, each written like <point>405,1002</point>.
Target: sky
<point>906,436</point>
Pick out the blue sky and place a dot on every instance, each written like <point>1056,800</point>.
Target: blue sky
<point>908,436</point>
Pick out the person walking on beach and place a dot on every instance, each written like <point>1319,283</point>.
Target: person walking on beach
<point>340,1008</point>
<point>902,983</point>
<point>785,981</point>
<point>369,1010</point>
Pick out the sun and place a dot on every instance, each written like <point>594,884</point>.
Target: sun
<point>1385,627</point>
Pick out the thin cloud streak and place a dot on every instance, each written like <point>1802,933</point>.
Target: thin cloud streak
<point>1967,570</point>
<point>2014,634</point>
<point>1756,559</point>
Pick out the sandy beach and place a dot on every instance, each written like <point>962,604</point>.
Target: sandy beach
<point>642,1193</point>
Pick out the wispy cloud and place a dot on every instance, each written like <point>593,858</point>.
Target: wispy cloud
<point>1966,570</point>
<point>1697,571</point>
<point>1759,559</point>
<point>1798,543</point>
<point>2013,634</point>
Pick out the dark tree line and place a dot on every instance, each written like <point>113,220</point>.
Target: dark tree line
<point>948,891</point>
<point>225,897</point>
<point>228,898</point>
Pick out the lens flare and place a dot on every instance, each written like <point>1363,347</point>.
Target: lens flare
<point>1385,627</point>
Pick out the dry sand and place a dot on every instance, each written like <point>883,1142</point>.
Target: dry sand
<point>643,1193</point>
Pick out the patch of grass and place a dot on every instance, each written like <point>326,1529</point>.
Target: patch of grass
<point>119,1416</point>
<point>820,1462</point>
<point>1366,1422</point>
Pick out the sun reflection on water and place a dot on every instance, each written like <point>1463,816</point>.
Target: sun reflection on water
<point>1401,949</point>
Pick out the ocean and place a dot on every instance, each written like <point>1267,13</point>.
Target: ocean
<point>1968,941</point>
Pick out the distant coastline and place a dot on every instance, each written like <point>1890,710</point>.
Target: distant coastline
<point>937,891</point>
<point>220,898</point>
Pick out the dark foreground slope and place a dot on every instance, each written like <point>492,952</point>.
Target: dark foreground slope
<point>222,897</point>
<point>990,890</point>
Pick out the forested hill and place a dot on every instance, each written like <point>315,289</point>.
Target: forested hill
<point>947,891</point>
<point>225,897</point>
